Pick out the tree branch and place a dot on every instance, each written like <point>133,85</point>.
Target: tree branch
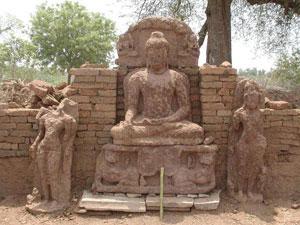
<point>141,9</point>
<point>5,29</point>
<point>288,5</point>
<point>202,34</point>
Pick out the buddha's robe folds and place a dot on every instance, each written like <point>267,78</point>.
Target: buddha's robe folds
<point>166,106</point>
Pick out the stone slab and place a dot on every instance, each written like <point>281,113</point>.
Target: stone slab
<point>132,195</point>
<point>37,208</point>
<point>173,203</point>
<point>100,202</point>
<point>169,209</point>
<point>208,203</point>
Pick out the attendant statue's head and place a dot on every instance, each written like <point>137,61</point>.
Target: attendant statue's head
<point>252,100</point>
<point>157,49</point>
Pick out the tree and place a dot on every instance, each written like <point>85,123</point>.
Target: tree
<point>288,68</point>
<point>9,24</point>
<point>16,51</point>
<point>217,25</point>
<point>67,35</point>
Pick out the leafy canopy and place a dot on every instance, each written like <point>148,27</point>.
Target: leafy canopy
<point>273,24</point>
<point>66,35</point>
<point>288,68</point>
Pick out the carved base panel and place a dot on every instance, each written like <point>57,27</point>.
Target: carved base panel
<point>136,169</point>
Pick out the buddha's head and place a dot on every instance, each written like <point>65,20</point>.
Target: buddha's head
<point>157,49</point>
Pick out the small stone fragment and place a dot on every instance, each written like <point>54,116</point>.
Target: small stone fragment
<point>203,195</point>
<point>132,195</point>
<point>279,105</point>
<point>120,195</point>
<point>209,140</point>
<point>192,195</point>
<point>226,64</point>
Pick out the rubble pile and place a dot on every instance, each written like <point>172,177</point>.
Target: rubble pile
<point>34,95</point>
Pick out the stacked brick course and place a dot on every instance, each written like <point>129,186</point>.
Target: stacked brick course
<point>18,129</point>
<point>96,97</point>
<point>217,86</point>
<point>282,130</point>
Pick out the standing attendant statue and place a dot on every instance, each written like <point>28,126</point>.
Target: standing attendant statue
<point>52,151</point>
<point>250,148</point>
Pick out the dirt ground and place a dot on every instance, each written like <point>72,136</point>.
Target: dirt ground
<point>12,212</point>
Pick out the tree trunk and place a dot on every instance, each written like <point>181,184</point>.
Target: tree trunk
<point>219,31</point>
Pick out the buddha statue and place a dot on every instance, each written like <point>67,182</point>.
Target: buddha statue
<point>157,102</point>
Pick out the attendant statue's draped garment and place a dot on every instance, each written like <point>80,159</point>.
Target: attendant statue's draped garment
<point>157,102</point>
<point>52,151</point>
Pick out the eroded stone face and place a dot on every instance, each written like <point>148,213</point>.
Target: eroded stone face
<point>157,101</point>
<point>52,152</point>
<point>246,166</point>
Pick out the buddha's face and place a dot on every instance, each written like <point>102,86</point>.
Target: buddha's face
<point>157,59</point>
<point>252,100</point>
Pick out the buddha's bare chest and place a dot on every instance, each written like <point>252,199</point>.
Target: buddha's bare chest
<point>157,90</point>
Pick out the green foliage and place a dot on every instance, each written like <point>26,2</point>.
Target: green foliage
<point>14,52</point>
<point>286,75</point>
<point>4,55</point>
<point>267,22</point>
<point>288,69</point>
<point>9,24</point>
<point>260,76</point>
<point>272,27</point>
<point>67,35</point>
<point>19,51</point>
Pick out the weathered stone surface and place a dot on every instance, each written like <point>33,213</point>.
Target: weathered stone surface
<point>209,140</point>
<point>247,146</point>
<point>52,150</point>
<point>134,169</point>
<point>279,105</point>
<point>158,121</point>
<point>132,195</point>
<point>208,203</point>
<point>99,202</point>
<point>185,52</point>
<point>173,203</point>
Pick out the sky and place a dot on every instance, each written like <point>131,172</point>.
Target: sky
<point>243,53</point>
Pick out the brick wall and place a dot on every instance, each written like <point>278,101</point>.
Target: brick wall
<point>100,99</point>
<point>282,130</point>
<point>217,86</point>
<point>96,97</point>
<point>18,130</point>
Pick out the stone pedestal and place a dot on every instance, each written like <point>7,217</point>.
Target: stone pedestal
<point>135,169</point>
